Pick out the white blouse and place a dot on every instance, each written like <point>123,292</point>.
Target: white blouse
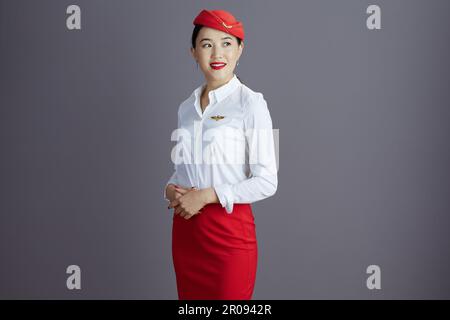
<point>229,146</point>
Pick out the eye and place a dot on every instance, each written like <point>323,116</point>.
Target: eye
<point>227,44</point>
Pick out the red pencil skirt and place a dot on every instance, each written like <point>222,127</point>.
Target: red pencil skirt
<point>215,253</point>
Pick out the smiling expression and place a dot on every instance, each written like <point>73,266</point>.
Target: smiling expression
<point>217,53</point>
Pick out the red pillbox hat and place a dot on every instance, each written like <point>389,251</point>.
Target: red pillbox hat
<point>221,20</point>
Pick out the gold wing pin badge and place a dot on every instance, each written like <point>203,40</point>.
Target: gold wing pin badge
<point>229,27</point>
<point>217,118</point>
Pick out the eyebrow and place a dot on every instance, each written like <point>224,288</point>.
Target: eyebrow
<point>204,39</point>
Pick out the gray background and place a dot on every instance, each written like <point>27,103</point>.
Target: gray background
<point>86,118</point>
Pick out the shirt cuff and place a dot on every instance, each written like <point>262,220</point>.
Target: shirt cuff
<point>226,197</point>
<point>165,195</point>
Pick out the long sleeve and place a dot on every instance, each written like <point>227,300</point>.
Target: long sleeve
<point>174,178</point>
<point>263,181</point>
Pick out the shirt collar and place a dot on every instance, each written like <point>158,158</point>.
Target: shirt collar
<point>221,92</point>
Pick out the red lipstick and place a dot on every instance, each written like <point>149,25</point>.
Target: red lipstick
<point>217,65</point>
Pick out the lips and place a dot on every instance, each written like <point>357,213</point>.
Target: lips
<point>217,65</point>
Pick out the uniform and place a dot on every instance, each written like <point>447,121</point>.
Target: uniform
<point>230,147</point>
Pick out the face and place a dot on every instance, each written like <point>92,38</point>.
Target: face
<point>213,45</point>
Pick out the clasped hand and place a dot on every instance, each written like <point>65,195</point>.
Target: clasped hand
<point>188,201</point>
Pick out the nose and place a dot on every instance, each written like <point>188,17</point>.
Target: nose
<point>217,53</point>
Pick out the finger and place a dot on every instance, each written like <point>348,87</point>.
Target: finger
<point>174,203</point>
<point>178,210</point>
<point>191,215</point>
<point>187,189</point>
<point>177,194</point>
<point>188,216</point>
<point>182,190</point>
<point>182,213</point>
<point>181,187</point>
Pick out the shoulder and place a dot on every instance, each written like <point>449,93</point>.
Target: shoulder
<point>253,101</point>
<point>256,112</point>
<point>187,103</point>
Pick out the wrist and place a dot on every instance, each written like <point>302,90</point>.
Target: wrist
<point>170,188</point>
<point>208,195</point>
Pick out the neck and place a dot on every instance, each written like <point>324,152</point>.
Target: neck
<point>214,84</point>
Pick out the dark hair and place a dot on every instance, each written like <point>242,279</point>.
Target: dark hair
<point>195,32</point>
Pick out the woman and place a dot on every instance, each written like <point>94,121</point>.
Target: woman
<point>214,243</point>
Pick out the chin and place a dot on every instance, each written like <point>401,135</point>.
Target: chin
<point>219,75</point>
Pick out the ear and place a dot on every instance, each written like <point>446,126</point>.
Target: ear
<point>240,48</point>
<point>193,53</point>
